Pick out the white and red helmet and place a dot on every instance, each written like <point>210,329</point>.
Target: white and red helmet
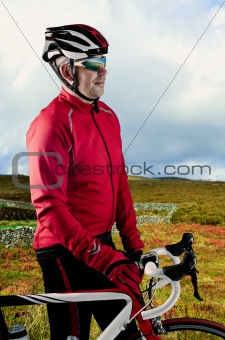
<point>74,42</point>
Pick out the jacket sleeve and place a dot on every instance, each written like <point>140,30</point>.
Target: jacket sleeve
<point>48,165</point>
<point>125,216</point>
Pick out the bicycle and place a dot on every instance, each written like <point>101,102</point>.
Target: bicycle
<point>178,328</point>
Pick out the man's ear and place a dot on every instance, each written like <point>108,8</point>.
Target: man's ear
<point>66,73</point>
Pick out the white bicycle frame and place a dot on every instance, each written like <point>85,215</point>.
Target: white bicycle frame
<point>122,319</point>
<point>113,329</point>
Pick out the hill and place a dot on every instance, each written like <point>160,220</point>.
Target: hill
<point>200,202</point>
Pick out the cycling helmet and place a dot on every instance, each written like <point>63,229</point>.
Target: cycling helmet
<point>73,42</point>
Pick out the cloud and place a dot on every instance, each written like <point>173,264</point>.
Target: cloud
<point>165,83</point>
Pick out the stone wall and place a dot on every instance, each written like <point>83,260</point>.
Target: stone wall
<point>23,235</point>
<point>17,237</point>
<point>146,219</point>
<point>17,204</point>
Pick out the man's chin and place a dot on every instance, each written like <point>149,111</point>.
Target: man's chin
<point>99,93</point>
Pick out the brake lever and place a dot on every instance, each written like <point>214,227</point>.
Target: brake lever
<point>186,267</point>
<point>179,248</point>
<point>177,271</point>
<point>194,280</point>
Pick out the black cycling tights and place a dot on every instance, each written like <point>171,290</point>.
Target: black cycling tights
<point>62,272</point>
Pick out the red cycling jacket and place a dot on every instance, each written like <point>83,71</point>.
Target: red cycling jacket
<point>78,184</point>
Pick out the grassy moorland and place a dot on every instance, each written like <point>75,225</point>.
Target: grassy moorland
<point>11,192</point>
<point>201,202</point>
<point>20,274</point>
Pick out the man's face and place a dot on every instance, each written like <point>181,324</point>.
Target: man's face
<point>91,83</point>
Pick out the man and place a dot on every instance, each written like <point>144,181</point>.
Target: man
<point>79,186</point>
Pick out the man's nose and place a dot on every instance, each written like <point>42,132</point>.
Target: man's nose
<point>102,70</point>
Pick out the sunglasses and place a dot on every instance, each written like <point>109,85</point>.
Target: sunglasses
<point>92,64</point>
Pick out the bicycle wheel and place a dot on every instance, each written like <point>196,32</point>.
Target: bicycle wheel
<point>192,329</point>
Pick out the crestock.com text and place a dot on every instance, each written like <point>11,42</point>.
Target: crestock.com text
<point>142,169</point>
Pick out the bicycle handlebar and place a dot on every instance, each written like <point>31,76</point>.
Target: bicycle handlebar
<point>174,250</point>
<point>170,274</point>
<point>153,271</point>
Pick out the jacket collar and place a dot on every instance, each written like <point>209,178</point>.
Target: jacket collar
<point>76,102</point>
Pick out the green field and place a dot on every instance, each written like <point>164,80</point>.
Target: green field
<point>201,211</point>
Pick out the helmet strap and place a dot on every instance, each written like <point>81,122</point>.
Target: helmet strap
<point>73,87</point>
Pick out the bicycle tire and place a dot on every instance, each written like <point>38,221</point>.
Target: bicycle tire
<point>192,329</point>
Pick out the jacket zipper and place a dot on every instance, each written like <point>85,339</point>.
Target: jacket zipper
<point>110,162</point>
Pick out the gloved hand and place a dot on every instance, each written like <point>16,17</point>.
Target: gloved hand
<point>125,273</point>
<point>113,263</point>
<point>135,255</point>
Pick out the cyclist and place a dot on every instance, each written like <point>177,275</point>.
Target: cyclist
<point>79,187</point>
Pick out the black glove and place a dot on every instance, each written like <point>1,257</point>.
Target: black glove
<point>135,256</point>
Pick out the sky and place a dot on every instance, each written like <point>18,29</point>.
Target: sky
<point>166,79</point>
